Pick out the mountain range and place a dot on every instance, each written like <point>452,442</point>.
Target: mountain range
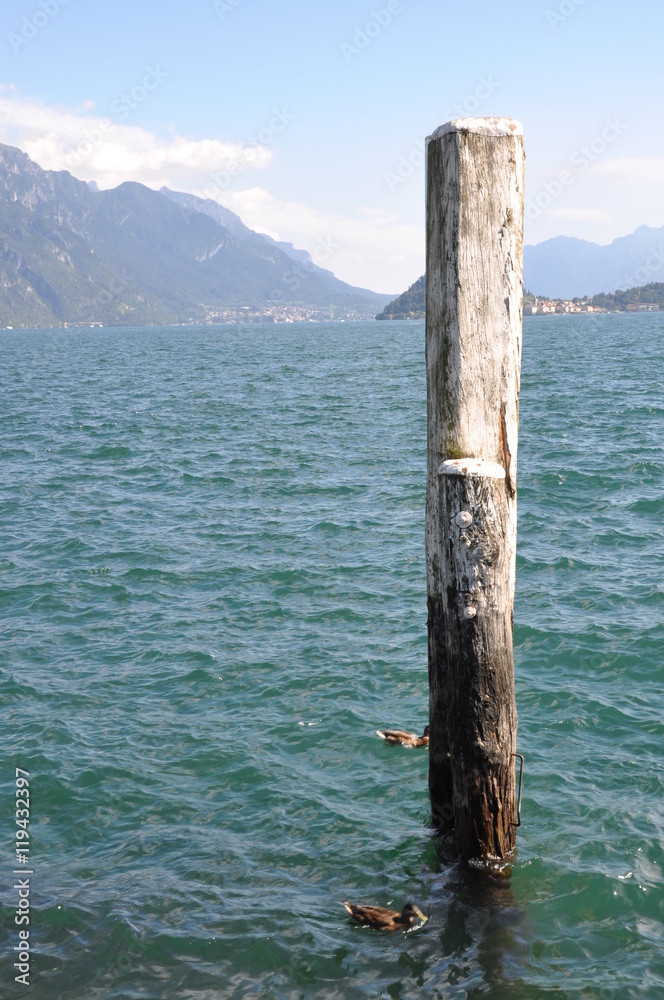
<point>70,253</point>
<point>565,268</point>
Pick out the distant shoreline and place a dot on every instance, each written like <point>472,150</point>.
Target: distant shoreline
<point>411,304</point>
<point>286,323</point>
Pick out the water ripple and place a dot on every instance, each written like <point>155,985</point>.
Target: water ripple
<point>213,593</point>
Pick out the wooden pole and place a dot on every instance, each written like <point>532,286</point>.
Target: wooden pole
<point>475,181</point>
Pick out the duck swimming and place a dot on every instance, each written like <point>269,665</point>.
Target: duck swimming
<point>386,920</point>
<point>394,736</point>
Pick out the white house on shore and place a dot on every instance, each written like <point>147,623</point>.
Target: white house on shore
<point>541,306</point>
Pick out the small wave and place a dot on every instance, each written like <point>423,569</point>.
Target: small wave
<point>109,453</point>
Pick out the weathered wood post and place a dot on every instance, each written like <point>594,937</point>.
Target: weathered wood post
<point>475,181</point>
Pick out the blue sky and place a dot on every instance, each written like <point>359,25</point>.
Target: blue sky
<point>308,119</point>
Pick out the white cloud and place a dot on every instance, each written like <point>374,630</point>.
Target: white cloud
<point>367,250</point>
<point>584,215</point>
<point>631,172</point>
<point>109,151</point>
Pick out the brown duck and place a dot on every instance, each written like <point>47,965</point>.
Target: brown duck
<point>394,736</point>
<point>386,920</point>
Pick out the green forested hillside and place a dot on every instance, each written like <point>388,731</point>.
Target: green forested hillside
<point>652,294</point>
<point>410,305</point>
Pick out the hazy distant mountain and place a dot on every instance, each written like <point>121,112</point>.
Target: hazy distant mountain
<point>229,220</point>
<point>565,267</point>
<point>235,225</point>
<point>71,254</point>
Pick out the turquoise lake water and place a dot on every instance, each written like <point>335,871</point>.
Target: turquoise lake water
<point>212,593</point>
